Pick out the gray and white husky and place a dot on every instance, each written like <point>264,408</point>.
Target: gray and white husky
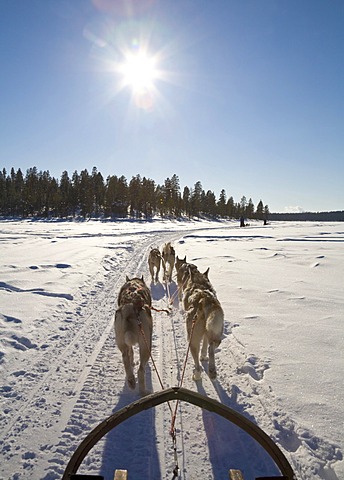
<point>134,325</point>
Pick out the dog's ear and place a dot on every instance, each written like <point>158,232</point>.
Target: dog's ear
<point>184,259</point>
<point>127,279</point>
<point>206,273</point>
<point>142,278</point>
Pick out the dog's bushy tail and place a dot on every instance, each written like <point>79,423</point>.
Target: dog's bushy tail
<point>125,319</point>
<point>214,320</point>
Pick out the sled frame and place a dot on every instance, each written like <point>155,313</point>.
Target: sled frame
<point>178,393</point>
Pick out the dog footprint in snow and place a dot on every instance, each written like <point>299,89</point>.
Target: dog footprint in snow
<point>254,367</point>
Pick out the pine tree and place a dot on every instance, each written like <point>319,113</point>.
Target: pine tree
<point>221,204</point>
<point>135,197</point>
<point>195,202</point>
<point>186,201</point>
<point>47,193</point>
<point>65,200</point>
<point>98,191</point>
<point>31,192</point>
<point>148,197</point>
<point>53,197</point>
<point>86,194</point>
<point>175,193</point>
<point>167,197</point>
<point>243,204</point>
<point>259,211</point>
<point>249,209</point>
<point>231,211</point>
<point>75,193</point>
<point>18,186</point>
<point>116,196</point>
<point>210,206</point>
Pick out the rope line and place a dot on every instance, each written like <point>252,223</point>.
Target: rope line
<point>160,310</point>
<point>173,434</point>
<point>180,383</point>
<point>172,429</point>
<point>174,414</point>
<point>173,296</point>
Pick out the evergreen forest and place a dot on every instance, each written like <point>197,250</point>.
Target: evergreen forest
<point>88,195</point>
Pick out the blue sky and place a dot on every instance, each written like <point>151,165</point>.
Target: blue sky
<point>249,98</point>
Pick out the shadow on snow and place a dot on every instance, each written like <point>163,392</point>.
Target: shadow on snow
<point>132,444</point>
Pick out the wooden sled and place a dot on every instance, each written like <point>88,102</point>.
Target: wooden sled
<point>176,393</point>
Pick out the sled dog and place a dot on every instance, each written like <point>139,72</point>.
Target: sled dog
<point>154,261</point>
<point>180,262</point>
<point>134,325</point>
<point>188,277</point>
<point>168,259</point>
<point>194,279</point>
<point>180,267</point>
<point>183,271</point>
<point>204,321</point>
<point>204,314</point>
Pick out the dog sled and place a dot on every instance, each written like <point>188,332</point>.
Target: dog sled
<point>179,394</point>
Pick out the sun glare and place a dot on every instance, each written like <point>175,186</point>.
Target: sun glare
<point>139,72</point>
<point>135,64</point>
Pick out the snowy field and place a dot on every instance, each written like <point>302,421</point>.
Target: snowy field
<point>280,362</point>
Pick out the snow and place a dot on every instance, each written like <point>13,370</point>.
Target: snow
<point>280,362</point>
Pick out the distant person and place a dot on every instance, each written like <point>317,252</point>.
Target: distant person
<point>242,221</point>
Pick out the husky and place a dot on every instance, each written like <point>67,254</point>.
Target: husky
<point>183,269</point>
<point>193,279</point>
<point>204,322</point>
<point>168,260</point>
<point>180,268</point>
<point>204,315</point>
<point>134,325</point>
<point>188,277</point>
<point>179,262</point>
<point>154,261</point>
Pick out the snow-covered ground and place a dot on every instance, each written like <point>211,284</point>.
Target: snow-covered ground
<point>280,362</point>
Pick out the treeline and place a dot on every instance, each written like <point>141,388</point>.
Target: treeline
<point>337,216</point>
<point>38,194</point>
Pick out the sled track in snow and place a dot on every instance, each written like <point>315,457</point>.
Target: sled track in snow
<point>49,400</point>
<point>96,387</point>
<point>221,437</point>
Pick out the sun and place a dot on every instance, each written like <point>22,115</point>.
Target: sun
<point>139,72</point>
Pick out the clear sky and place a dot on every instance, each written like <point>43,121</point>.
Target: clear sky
<point>246,96</point>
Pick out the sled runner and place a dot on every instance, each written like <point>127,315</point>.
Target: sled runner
<point>180,394</point>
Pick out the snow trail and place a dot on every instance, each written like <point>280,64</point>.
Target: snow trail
<point>51,402</point>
